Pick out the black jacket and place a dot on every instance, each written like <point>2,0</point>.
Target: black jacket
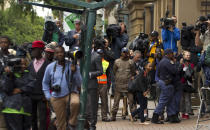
<point>142,82</point>
<point>37,93</point>
<point>166,69</point>
<point>118,43</point>
<point>96,70</point>
<point>15,101</point>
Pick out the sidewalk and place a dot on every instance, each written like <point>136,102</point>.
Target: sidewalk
<point>120,124</point>
<point>127,125</point>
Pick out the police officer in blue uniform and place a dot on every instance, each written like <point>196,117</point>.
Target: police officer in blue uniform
<point>166,73</point>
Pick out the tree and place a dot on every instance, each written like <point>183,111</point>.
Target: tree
<point>21,25</point>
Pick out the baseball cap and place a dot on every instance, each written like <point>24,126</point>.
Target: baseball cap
<point>38,44</point>
<point>76,21</point>
<point>124,49</point>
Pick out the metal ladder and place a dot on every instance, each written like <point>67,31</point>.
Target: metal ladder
<point>202,99</point>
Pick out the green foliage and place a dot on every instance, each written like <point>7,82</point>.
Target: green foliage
<point>21,24</point>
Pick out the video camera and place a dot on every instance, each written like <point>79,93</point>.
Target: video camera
<point>201,24</point>
<point>99,43</point>
<point>14,63</point>
<point>187,36</point>
<point>23,49</point>
<point>113,31</point>
<point>166,22</point>
<point>74,54</point>
<point>141,43</point>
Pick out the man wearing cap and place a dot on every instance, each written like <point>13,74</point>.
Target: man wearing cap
<point>49,51</point>
<point>124,71</point>
<point>72,39</point>
<point>36,71</point>
<point>57,78</point>
<point>166,73</point>
<point>154,54</point>
<point>153,45</point>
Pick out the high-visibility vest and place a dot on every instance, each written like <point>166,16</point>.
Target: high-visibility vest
<point>103,78</point>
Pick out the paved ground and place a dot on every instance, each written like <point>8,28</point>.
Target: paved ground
<point>127,125</point>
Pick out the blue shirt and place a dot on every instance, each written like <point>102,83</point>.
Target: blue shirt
<point>64,82</point>
<point>170,39</point>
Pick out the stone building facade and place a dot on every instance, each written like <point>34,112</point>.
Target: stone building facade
<point>144,15</point>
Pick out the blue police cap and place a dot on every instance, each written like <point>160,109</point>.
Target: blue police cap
<point>124,49</point>
<point>168,51</point>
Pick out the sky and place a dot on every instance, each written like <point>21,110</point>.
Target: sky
<point>42,12</point>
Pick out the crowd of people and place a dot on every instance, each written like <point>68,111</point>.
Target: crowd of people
<point>38,80</point>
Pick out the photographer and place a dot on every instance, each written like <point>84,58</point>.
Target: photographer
<point>73,37</point>
<point>187,81</point>
<point>171,35</point>
<point>205,38</point>
<point>57,77</point>
<point>17,86</point>
<point>140,43</point>
<point>4,53</point>
<point>118,37</point>
<point>52,32</point>
<point>153,45</point>
<point>154,54</point>
<point>204,34</point>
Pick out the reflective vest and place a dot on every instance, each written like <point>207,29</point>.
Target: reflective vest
<point>103,78</point>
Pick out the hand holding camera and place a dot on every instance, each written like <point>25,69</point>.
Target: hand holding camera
<point>7,69</point>
<point>171,28</point>
<point>146,93</point>
<point>76,36</point>
<point>16,91</point>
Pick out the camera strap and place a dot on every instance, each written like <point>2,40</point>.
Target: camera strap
<point>54,69</point>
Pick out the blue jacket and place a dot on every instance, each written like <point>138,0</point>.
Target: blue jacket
<point>170,39</point>
<point>166,69</point>
<point>70,41</point>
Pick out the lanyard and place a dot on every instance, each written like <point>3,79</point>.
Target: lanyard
<point>54,69</point>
